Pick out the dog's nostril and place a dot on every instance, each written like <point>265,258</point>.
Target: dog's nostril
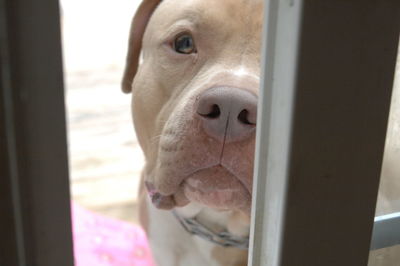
<point>243,117</point>
<point>227,114</point>
<point>213,113</point>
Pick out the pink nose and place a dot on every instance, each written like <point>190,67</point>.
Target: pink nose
<point>228,114</point>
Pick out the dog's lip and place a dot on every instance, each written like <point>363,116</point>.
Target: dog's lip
<point>219,164</point>
<point>168,201</point>
<point>218,196</point>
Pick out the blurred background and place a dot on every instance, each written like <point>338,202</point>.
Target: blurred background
<point>104,156</point>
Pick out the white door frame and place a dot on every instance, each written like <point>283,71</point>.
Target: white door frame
<point>327,80</point>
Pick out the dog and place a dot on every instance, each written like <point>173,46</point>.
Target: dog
<point>194,106</point>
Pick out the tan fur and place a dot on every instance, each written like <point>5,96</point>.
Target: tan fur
<point>165,88</point>
<point>163,98</point>
<point>144,218</point>
<point>138,27</point>
<point>230,256</point>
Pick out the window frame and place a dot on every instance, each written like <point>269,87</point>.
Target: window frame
<point>35,206</point>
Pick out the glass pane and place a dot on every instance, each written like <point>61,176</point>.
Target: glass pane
<point>389,190</point>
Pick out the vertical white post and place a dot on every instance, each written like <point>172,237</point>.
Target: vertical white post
<point>327,78</point>
<point>280,46</point>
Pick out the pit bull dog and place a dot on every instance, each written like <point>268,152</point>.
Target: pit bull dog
<point>194,109</point>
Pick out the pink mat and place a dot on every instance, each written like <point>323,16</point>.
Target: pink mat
<point>102,241</point>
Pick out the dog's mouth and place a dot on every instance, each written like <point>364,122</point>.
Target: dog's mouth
<point>214,187</point>
<point>217,188</point>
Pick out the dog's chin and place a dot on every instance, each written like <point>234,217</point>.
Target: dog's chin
<point>217,188</point>
<point>214,187</point>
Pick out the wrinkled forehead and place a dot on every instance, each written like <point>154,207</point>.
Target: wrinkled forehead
<point>236,14</point>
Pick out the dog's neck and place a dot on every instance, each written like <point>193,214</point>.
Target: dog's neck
<point>229,228</point>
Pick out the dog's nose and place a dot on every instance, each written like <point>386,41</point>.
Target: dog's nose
<point>228,114</point>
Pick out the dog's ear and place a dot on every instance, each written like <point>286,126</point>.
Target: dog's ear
<point>138,26</point>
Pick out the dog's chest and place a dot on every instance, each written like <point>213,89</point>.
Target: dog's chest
<point>173,246</point>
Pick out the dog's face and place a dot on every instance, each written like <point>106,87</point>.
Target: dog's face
<point>195,100</point>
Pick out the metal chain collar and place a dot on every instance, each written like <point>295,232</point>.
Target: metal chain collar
<point>225,239</point>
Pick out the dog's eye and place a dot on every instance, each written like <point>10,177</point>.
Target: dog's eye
<point>184,44</point>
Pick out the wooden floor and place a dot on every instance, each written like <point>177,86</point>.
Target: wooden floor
<point>105,159</point>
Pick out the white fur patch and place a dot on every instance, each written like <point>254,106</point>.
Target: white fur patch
<point>171,245</point>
